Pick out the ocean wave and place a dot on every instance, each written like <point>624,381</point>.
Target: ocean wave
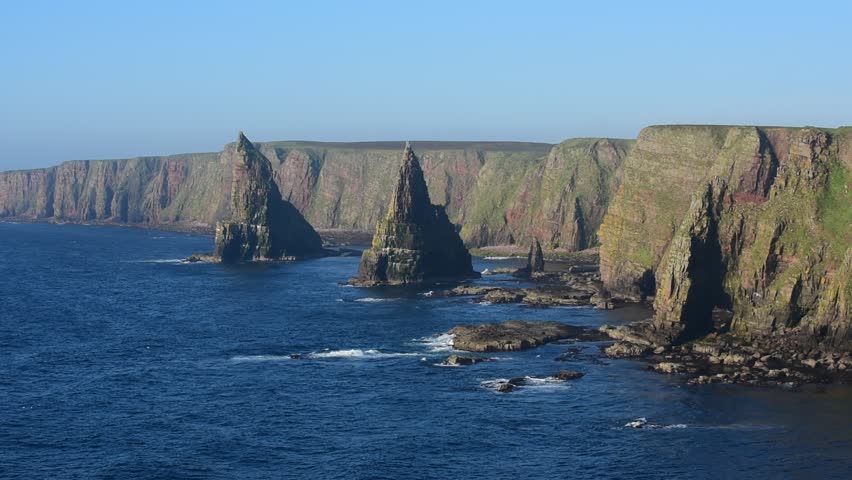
<point>525,383</point>
<point>643,423</point>
<point>357,353</point>
<point>159,260</point>
<point>542,381</point>
<point>494,383</point>
<point>437,343</point>
<point>260,358</point>
<point>502,258</point>
<point>375,300</point>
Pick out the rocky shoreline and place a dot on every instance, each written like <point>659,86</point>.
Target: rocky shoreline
<point>567,285</point>
<point>728,359</point>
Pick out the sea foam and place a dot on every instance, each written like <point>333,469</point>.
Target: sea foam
<point>260,358</point>
<point>437,343</point>
<point>357,353</point>
<point>375,300</point>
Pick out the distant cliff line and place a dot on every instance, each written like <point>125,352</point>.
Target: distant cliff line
<point>498,192</point>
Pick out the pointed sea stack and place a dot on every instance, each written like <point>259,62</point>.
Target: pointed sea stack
<point>535,259</point>
<point>263,225</point>
<point>416,242</point>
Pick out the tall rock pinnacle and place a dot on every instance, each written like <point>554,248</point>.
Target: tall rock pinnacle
<point>263,226</point>
<point>416,242</point>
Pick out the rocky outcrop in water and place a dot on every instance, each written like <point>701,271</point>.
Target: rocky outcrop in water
<point>515,335</point>
<point>416,242</point>
<point>263,225</point>
<point>759,226</point>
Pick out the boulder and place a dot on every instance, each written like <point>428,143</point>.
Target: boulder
<point>504,387</point>
<point>566,375</point>
<point>622,349</point>
<point>669,367</point>
<point>459,360</point>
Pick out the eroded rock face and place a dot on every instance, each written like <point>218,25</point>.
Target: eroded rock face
<point>416,242</point>
<point>263,225</point>
<point>759,225</point>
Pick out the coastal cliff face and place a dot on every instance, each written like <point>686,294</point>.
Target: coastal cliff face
<point>500,192</point>
<point>415,242</point>
<point>753,220</point>
<point>561,200</point>
<point>263,226</point>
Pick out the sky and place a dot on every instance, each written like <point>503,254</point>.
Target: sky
<point>92,80</point>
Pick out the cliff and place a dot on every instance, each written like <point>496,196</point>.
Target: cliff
<point>415,242</point>
<point>500,192</point>
<point>262,226</point>
<point>750,219</point>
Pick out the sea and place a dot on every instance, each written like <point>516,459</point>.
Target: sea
<point>118,361</point>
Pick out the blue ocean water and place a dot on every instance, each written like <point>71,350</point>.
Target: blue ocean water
<point>117,361</point>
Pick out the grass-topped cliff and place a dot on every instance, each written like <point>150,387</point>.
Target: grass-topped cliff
<point>494,190</point>
<point>753,219</point>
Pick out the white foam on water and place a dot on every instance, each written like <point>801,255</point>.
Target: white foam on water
<point>637,423</point>
<point>260,358</point>
<point>437,343</point>
<point>159,260</point>
<point>375,300</point>
<point>643,423</point>
<point>541,381</point>
<point>427,294</point>
<point>493,384</point>
<point>357,353</point>
<point>502,258</point>
<point>529,384</point>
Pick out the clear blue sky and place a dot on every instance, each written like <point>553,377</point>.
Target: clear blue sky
<point>117,79</point>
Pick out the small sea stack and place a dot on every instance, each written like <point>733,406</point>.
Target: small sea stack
<point>415,242</point>
<point>263,226</point>
<point>535,258</point>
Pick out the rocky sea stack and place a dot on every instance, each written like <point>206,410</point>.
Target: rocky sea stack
<point>263,225</point>
<point>416,242</point>
<point>535,259</point>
